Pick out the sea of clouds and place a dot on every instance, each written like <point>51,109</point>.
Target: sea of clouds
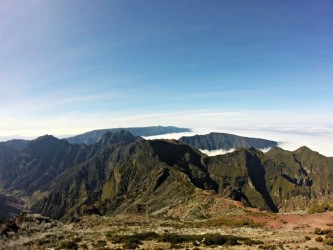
<point>320,141</point>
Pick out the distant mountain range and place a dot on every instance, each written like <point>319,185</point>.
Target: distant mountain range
<point>215,141</point>
<point>95,135</point>
<point>125,173</point>
<point>210,141</point>
<point>16,144</point>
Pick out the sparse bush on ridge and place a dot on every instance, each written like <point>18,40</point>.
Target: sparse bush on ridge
<point>329,235</point>
<point>250,242</point>
<point>306,237</point>
<point>268,247</point>
<point>174,239</point>
<point>317,231</point>
<point>320,207</point>
<point>329,242</point>
<point>99,243</point>
<point>68,244</point>
<point>231,223</point>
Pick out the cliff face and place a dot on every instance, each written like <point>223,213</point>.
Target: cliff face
<point>122,173</point>
<point>214,141</point>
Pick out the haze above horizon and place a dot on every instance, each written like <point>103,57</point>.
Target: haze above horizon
<point>68,67</point>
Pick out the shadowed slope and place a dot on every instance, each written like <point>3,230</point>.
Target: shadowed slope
<point>225,141</point>
<point>123,173</point>
<point>96,135</point>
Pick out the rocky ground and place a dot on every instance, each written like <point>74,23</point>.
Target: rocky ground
<point>246,229</point>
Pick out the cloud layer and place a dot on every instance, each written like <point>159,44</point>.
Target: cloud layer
<point>320,141</point>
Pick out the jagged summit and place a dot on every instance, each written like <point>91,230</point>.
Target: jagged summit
<point>45,137</point>
<point>122,136</point>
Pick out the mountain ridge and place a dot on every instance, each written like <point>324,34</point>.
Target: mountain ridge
<point>94,136</point>
<point>124,173</point>
<point>215,140</point>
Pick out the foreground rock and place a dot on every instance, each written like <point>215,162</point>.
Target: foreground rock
<point>240,229</point>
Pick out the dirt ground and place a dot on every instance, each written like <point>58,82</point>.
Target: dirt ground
<point>275,231</point>
<point>283,231</point>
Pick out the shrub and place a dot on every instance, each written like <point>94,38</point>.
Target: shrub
<point>172,238</point>
<point>325,231</point>
<point>329,242</point>
<point>100,243</point>
<point>216,239</point>
<point>268,247</point>
<point>319,239</point>
<point>320,208</point>
<point>138,237</point>
<point>132,241</point>
<point>250,242</point>
<point>232,223</point>
<point>43,242</point>
<point>84,246</point>
<point>317,231</point>
<point>131,244</point>
<point>329,235</point>
<point>177,246</point>
<point>307,238</point>
<point>69,245</point>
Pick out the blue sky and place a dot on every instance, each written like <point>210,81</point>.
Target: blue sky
<point>71,66</point>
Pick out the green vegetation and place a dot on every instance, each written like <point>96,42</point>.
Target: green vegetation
<point>306,237</point>
<point>230,223</point>
<point>250,242</point>
<point>99,244</point>
<point>68,244</point>
<point>141,168</point>
<point>317,231</point>
<point>320,207</point>
<point>329,235</point>
<point>268,247</point>
<point>326,231</point>
<point>134,240</point>
<point>329,242</point>
<point>207,239</point>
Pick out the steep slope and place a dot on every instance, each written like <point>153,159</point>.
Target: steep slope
<point>7,154</point>
<point>302,174</point>
<point>186,159</point>
<point>127,176</point>
<point>95,135</point>
<point>39,163</point>
<point>16,144</point>
<point>214,141</point>
<point>150,176</point>
<point>123,173</point>
<point>9,206</point>
<point>241,176</point>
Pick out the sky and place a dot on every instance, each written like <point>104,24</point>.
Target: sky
<point>260,68</point>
